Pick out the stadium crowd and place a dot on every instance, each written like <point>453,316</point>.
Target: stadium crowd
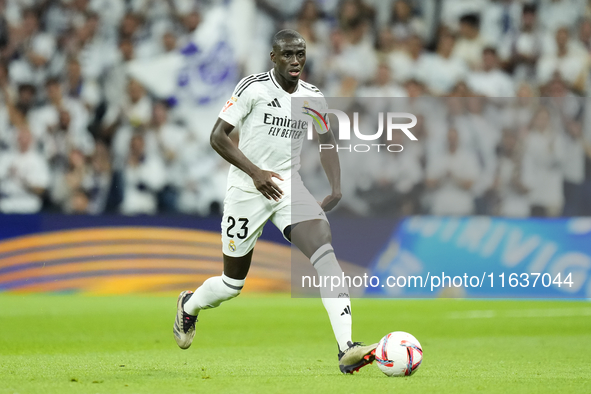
<point>499,88</point>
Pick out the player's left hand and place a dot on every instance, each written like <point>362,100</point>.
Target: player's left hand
<point>331,201</point>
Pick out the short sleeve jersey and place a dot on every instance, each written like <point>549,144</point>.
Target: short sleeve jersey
<point>271,136</point>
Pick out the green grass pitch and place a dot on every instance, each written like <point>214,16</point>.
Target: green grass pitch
<point>276,344</point>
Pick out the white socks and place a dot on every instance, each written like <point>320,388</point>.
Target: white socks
<point>218,289</point>
<point>212,293</point>
<point>336,302</point>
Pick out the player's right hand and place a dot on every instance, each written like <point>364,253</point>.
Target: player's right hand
<point>263,181</point>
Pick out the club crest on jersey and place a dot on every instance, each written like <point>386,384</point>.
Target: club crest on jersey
<point>232,245</point>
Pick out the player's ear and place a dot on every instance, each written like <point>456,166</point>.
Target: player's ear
<point>272,55</point>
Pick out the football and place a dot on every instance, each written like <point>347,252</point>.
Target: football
<point>399,354</point>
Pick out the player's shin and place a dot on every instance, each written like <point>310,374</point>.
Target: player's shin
<point>335,295</point>
<point>213,292</point>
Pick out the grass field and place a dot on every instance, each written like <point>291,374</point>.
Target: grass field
<point>275,344</point>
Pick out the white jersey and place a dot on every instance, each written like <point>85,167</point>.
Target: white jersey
<point>270,135</point>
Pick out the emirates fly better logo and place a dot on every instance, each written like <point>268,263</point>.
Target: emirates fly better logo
<point>344,133</point>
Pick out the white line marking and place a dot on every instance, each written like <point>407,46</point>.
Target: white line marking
<point>520,313</point>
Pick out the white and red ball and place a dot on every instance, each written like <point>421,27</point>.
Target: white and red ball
<point>399,354</point>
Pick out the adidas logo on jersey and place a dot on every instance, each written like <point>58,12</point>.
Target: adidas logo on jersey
<point>274,103</point>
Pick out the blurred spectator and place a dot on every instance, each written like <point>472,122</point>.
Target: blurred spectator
<point>500,18</point>
<point>24,176</point>
<point>110,12</point>
<point>357,59</point>
<point>18,113</point>
<point>403,62</point>
<point>115,92</point>
<point>169,42</point>
<point>116,78</point>
<point>7,87</point>
<point>62,123</point>
<point>26,99</point>
<point>310,22</point>
<point>511,183</point>
<point>94,52</point>
<point>573,168</point>
<point>414,88</point>
<point>543,160</point>
<point>32,49</point>
<point>170,137</point>
<point>131,28</point>
<point>557,13</point>
<point>81,88</point>
<point>440,71</point>
<point>491,81</point>
<point>403,23</point>
<point>351,11</point>
<point>327,73</point>
<point>385,43</point>
<point>4,31</point>
<point>470,44</point>
<point>83,180</point>
<point>201,181</point>
<point>161,136</point>
<point>382,85</point>
<point>451,175</point>
<point>585,34</point>
<point>189,23</point>
<point>568,58</point>
<point>143,177</point>
<point>517,113</point>
<point>61,17</point>
<point>453,10</point>
<point>78,203</point>
<point>458,118</point>
<point>395,188</point>
<point>67,177</point>
<point>486,134</point>
<point>171,140</point>
<point>137,109</point>
<point>146,44</point>
<point>99,182</point>
<point>521,48</point>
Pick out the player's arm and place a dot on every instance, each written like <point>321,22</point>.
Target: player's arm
<point>223,145</point>
<point>330,162</point>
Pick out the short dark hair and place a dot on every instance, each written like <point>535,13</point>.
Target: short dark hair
<point>52,81</point>
<point>27,86</point>
<point>285,34</point>
<point>490,49</point>
<point>471,19</point>
<point>529,8</point>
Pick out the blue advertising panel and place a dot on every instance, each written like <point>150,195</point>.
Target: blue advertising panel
<point>485,257</point>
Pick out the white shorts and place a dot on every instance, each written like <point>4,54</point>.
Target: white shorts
<point>246,212</point>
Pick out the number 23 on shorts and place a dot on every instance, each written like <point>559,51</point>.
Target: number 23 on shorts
<point>241,232</point>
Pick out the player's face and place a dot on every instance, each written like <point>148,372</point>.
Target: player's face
<point>289,58</point>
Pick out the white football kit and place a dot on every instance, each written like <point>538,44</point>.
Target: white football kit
<point>271,137</point>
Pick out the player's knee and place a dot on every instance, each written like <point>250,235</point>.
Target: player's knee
<point>325,238</point>
<point>322,232</point>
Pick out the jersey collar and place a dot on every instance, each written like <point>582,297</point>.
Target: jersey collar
<point>272,75</point>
